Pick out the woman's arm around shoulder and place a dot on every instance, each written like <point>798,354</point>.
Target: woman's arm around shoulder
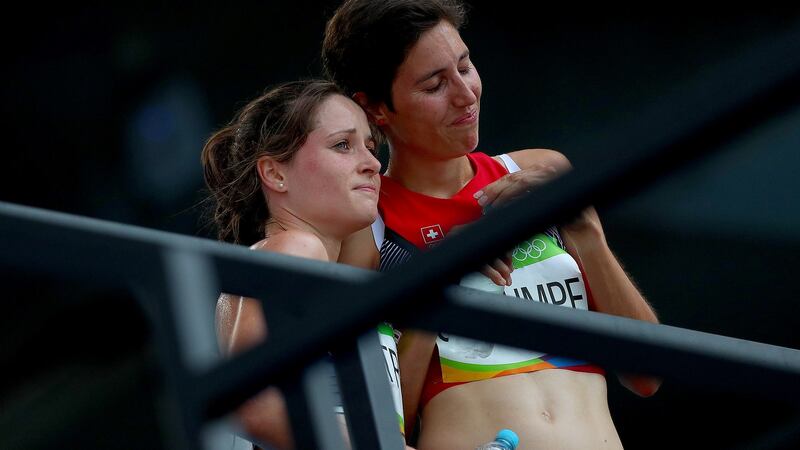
<point>537,166</point>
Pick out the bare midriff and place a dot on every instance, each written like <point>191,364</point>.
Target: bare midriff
<point>548,409</point>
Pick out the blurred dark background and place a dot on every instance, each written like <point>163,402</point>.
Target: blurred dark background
<point>106,108</point>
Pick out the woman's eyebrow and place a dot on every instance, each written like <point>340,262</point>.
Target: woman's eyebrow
<point>435,72</point>
<point>347,131</point>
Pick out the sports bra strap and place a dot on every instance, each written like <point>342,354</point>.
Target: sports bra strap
<point>510,164</point>
<point>378,230</point>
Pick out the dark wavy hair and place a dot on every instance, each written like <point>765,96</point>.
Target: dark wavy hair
<point>367,40</point>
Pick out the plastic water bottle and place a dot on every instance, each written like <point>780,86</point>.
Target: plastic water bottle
<point>505,440</point>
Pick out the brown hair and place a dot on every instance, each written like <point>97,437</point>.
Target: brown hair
<point>367,40</point>
<point>276,124</point>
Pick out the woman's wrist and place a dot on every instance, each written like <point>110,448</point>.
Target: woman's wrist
<point>587,238</point>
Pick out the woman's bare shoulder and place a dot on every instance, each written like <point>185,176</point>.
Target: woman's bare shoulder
<point>295,243</point>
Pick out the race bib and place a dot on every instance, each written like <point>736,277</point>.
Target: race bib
<point>389,347</point>
<point>543,272</point>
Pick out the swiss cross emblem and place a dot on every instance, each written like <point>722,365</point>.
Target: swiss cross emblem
<point>432,234</point>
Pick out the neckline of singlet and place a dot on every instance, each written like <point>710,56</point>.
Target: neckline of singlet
<point>464,191</point>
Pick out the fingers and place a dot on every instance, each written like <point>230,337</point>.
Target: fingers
<point>493,275</point>
<point>506,258</point>
<point>499,272</point>
<point>504,268</point>
<point>515,184</point>
<point>501,189</point>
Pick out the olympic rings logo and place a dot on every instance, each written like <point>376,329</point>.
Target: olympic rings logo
<point>529,249</point>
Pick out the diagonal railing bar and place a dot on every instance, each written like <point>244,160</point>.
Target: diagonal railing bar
<point>695,358</point>
<point>768,83</point>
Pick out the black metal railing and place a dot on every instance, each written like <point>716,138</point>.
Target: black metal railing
<point>178,279</point>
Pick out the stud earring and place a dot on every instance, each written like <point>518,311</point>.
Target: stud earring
<point>280,184</point>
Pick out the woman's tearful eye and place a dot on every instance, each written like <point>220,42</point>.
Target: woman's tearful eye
<point>342,145</point>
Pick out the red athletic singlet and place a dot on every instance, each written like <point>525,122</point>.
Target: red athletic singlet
<point>544,272</point>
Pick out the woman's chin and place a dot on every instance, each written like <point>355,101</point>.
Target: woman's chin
<point>370,217</point>
<point>363,219</point>
<point>472,142</point>
<point>467,144</point>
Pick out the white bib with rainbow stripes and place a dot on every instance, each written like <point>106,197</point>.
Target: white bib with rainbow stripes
<point>389,347</point>
<point>543,272</point>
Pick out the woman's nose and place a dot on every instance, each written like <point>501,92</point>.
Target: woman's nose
<point>370,163</point>
<point>463,94</point>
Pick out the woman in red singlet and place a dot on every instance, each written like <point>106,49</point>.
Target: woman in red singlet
<point>405,63</point>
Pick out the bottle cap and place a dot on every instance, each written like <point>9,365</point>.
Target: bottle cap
<point>508,436</point>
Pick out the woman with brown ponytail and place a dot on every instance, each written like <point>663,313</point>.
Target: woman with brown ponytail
<point>294,172</point>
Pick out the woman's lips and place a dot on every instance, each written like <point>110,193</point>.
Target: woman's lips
<point>467,119</point>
